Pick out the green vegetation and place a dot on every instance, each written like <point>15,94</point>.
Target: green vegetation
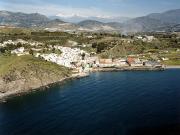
<point>105,45</point>
<point>172,62</point>
<point>15,31</point>
<point>14,67</point>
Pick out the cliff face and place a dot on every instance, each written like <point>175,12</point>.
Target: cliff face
<point>23,85</point>
<point>31,82</point>
<point>22,74</point>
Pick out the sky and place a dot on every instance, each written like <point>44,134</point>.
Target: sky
<point>87,8</point>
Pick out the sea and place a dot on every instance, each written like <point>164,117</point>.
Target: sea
<point>105,103</point>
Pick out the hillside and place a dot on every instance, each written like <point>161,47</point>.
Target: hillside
<point>93,25</point>
<point>172,16</point>
<point>22,20</point>
<point>89,23</point>
<point>74,18</point>
<point>59,25</point>
<point>26,72</point>
<point>166,21</point>
<point>143,24</point>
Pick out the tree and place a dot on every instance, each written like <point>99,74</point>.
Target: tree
<point>94,45</point>
<point>83,56</point>
<point>31,52</point>
<point>101,47</point>
<point>53,50</point>
<point>19,44</point>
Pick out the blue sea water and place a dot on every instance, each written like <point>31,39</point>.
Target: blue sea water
<point>108,103</point>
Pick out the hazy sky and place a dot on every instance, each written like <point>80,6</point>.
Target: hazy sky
<point>105,8</point>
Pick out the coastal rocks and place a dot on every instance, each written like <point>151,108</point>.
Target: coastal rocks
<point>29,73</point>
<point>127,69</point>
<point>21,86</point>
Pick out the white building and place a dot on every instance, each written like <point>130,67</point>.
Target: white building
<point>67,58</point>
<point>73,43</point>
<point>137,63</point>
<point>150,38</point>
<point>19,51</point>
<point>165,59</point>
<point>120,62</point>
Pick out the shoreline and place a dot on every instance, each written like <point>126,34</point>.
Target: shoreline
<point>173,67</point>
<point>127,69</point>
<point>7,95</point>
<point>10,94</point>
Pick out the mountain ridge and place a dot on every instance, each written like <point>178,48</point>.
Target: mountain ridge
<point>165,21</point>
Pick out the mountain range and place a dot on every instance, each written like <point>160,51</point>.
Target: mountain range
<point>78,18</point>
<point>22,20</point>
<point>166,21</point>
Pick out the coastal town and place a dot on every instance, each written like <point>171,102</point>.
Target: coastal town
<point>89,67</point>
<point>80,60</point>
<point>33,59</point>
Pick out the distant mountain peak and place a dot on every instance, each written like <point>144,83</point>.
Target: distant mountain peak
<point>166,21</point>
<point>77,17</point>
<point>19,19</point>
